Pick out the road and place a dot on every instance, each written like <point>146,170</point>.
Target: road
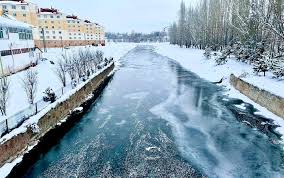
<point>156,119</point>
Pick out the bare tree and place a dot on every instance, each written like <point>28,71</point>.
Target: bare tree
<point>61,70</point>
<point>99,56</point>
<point>4,94</point>
<point>30,83</point>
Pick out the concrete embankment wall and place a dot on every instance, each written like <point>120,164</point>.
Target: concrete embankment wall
<point>272,102</point>
<point>18,144</point>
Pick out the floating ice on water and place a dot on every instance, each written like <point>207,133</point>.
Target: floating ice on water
<point>105,122</point>
<point>152,148</point>
<point>136,96</point>
<point>103,111</point>
<point>121,122</point>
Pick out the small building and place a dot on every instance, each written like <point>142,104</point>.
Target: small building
<point>16,44</point>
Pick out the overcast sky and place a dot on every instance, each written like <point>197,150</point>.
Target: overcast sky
<point>121,15</point>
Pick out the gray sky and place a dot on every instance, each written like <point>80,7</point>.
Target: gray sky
<point>121,15</point>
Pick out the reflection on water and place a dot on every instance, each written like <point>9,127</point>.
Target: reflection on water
<point>156,119</point>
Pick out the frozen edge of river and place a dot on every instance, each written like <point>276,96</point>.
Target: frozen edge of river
<point>193,60</point>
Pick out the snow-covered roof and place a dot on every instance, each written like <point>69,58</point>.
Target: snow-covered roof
<point>13,2</point>
<point>4,21</point>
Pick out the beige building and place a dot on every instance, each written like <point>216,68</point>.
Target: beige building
<point>52,28</point>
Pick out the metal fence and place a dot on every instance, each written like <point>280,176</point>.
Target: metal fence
<point>17,119</point>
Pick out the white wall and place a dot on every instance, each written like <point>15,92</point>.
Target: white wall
<point>16,43</point>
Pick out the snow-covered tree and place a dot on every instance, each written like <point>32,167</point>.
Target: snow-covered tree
<point>208,53</point>
<point>4,94</point>
<point>61,71</point>
<point>182,25</point>
<point>30,84</point>
<point>261,65</point>
<point>279,73</point>
<point>173,34</point>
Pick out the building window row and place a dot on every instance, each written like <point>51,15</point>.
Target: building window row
<point>46,16</point>
<point>5,7</point>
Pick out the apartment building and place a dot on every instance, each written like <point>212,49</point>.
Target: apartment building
<point>52,28</point>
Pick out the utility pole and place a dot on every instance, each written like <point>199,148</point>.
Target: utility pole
<point>43,40</point>
<point>85,39</point>
<point>61,42</point>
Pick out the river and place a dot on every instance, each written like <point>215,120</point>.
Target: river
<point>156,119</point>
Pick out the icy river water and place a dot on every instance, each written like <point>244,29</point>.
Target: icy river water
<point>156,119</point>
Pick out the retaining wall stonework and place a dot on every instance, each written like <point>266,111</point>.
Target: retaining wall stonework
<point>272,102</point>
<point>10,149</point>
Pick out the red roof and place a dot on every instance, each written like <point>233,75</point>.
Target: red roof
<point>71,17</point>
<point>21,1</point>
<point>51,10</point>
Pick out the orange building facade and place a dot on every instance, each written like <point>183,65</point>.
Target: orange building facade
<point>52,28</point>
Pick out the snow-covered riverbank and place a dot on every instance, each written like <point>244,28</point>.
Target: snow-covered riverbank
<point>195,61</point>
<point>46,75</point>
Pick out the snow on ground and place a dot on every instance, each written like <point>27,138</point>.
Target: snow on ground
<point>194,60</point>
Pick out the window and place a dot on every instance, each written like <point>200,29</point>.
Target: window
<point>13,7</point>
<point>54,37</point>
<point>52,21</point>
<point>58,17</point>
<point>47,32</point>
<point>53,32</point>
<point>45,16</point>
<point>3,33</point>
<point>52,27</point>
<point>51,16</point>
<point>4,7</point>
<point>24,15</point>
<point>25,34</point>
<point>23,7</point>
<point>14,14</point>
<point>60,32</point>
<point>47,37</point>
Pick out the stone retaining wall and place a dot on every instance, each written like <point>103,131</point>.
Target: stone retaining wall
<point>18,144</point>
<point>272,102</point>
